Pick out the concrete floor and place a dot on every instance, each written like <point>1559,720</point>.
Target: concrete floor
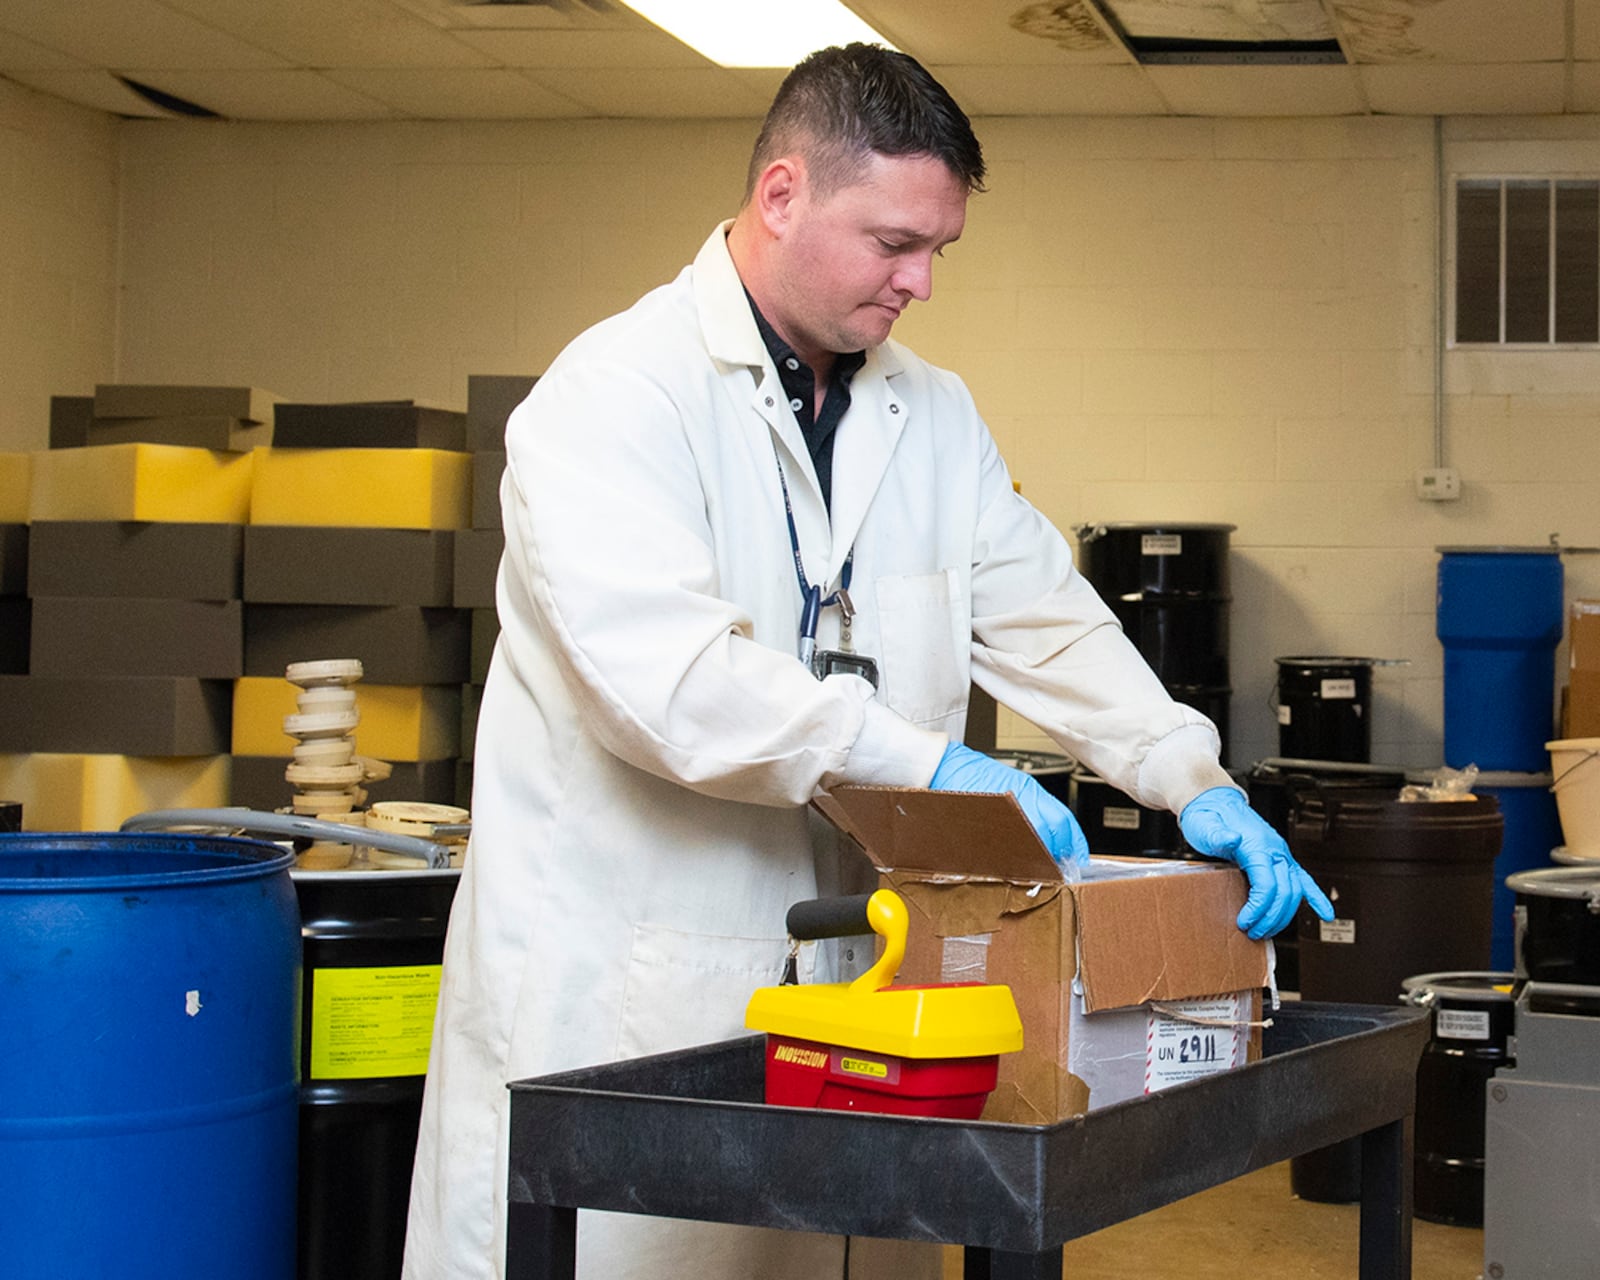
<point>1252,1226</point>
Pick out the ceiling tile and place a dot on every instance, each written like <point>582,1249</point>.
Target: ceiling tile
<point>346,33</point>
<point>129,35</point>
<point>611,49</point>
<point>1378,31</point>
<point>692,93</point>
<point>1270,90</point>
<point>1476,90</point>
<point>490,93</point>
<point>288,94</point>
<point>1018,33</point>
<point>1043,91</point>
<point>98,89</point>
<point>17,54</point>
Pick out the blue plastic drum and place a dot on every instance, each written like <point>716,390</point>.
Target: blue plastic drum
<point>1499,620</point>
<point>148,1064</point>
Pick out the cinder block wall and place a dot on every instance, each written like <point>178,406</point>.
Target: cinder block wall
<point>1165,320</point>
<point>58,225</point>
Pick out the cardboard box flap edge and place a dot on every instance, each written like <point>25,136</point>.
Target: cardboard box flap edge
<point>1165,937</point>
<point>966,834</point>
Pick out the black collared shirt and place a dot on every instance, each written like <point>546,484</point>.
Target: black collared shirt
<point>800,387</point>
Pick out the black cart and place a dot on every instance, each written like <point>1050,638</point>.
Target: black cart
<point>686,1135</point>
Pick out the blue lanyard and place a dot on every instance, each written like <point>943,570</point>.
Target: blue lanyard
<point>813,604</point>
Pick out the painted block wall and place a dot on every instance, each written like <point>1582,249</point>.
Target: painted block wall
<point>1163,319</point>
<point>58,239</point>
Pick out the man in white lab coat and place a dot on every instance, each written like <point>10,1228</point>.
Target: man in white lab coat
<point>687,490</point>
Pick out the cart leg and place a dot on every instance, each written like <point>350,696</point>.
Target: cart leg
<point>1386,1202</point>
<point>1001,1264</point>
<point>541,1242</point>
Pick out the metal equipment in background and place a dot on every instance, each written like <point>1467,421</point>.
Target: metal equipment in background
<point>373,940</point>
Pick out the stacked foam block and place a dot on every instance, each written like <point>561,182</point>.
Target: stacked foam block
<point>490,400</point>
<point>136,516</point>
<point>350,550</point>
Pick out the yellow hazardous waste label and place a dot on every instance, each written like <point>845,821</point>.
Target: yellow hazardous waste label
<point>373,1022</point>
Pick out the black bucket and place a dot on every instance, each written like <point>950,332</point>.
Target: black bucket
<point>1472,1025</point>
<point>1325,708</point>
<point>1557,915</point>
<point>1275,786</point>
<point>374,940</point>
<point>1412,886</point>
<point>1113,823</point>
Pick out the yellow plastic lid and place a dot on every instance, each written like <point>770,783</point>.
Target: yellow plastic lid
<point>913,1022</point>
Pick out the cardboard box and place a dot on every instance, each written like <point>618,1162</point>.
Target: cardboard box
<point>16,487</point>
<point>397,644</point>
<point>1583,635</point>
<point>485,631</point>
<point>362,488</point>
<point>13,560</point>
<point>135,716</point>
<point>78,636</point>
<point>134,400</point>
<point>70,417</point>
<point>258,782</point>
<point>141,482</point>
<point>194,431</point>
<point>16,629</point>
<point>398,722</point>
<point>152,560</point>
<point>1581,713</point>
<point>487,468</point>
<point>376,424</point>
<point>490,400</point>
<point>289,564</point>
<point>477,564</point>
<point>1107,972</point>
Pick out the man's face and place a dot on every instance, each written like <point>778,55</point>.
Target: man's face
<point>853,260</point>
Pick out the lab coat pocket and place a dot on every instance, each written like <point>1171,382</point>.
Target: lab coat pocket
<point>685,989</point>
<point>925,646</point>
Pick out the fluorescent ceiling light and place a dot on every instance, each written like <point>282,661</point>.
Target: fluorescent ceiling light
<point>757,33</point>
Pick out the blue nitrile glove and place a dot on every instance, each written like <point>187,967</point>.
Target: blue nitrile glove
<point>1221,824</point>
<point>963,769</point>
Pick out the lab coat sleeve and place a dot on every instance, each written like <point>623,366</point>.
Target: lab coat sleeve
<point>1047,646</point>
<point>609,557</point>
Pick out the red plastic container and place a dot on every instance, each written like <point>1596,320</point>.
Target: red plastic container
<point>804,1073</point>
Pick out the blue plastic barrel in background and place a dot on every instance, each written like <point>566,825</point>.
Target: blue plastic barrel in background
<point>1532,833</point>
<point>1499,620</point>
<point>148,1057</point>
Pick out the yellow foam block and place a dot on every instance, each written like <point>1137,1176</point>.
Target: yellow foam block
<point>141,482</point>
<point>363,488</point>
<point>398,722</point>
<point>15,469</point>
<point>99,792</point>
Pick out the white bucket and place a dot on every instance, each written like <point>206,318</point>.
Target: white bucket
<point>1575,766</point>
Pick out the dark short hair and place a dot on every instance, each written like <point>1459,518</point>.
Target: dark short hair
<point>841,105</point>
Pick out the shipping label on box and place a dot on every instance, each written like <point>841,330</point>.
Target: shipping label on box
<point>1116,976</point>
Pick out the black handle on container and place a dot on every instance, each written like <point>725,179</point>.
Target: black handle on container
<point>829,918</point>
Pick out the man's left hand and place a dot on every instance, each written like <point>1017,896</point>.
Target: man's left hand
<point>1221,824</point>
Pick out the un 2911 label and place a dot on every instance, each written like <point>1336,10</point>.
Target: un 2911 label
<point>1183,1047</point>
<point>1120,819</point>
<point>1338,689</point>
<point>1161,544</point>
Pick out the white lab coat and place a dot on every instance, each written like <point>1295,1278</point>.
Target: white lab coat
<point>647,743</point>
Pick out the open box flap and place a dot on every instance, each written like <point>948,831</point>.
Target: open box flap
<point>964,834</point>
<point>1150,937</point>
